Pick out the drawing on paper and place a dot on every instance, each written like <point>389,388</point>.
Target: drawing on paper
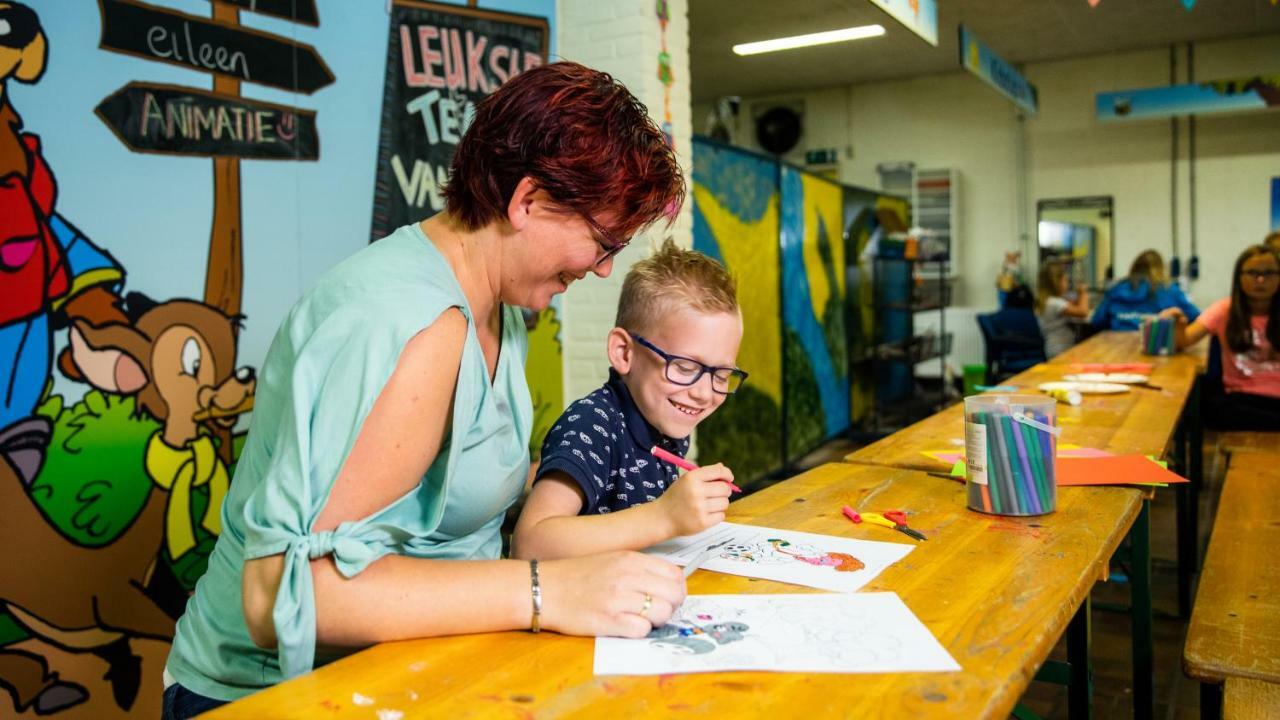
<point>828,562</point>
<point>778,550</point>
<point>848,633</point>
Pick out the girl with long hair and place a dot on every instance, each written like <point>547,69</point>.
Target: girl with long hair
<point>1145,291</point>
<point>1247,325</point>
<point>1053,308</point>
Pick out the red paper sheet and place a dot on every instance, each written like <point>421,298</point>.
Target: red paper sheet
<point>1113,470</point>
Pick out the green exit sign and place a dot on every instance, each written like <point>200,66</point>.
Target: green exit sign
<point>822,156</point>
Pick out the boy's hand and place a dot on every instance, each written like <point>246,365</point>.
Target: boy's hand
<point>697,500</point>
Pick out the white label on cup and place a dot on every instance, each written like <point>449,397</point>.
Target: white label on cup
<point>975,452</point>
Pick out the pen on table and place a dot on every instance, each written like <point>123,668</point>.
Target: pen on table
<point>682,463</point>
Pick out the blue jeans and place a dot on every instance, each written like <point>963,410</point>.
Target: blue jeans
<point>180,703</point>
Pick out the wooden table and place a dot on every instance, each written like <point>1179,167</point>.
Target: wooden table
<point>997,593</point>
<point>1113,346</point>
<point>1235,628</point>
<point>1141,421</point>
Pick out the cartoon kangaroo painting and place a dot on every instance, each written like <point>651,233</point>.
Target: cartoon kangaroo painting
<point>178,360</point>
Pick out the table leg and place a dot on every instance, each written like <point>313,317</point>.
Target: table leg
<point>1140,587</point>
<point>1080,691</point>
<point>1210,701</point>
<point>1185,538</point>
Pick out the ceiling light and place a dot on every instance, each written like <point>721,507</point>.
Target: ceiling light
<point>822,38</point>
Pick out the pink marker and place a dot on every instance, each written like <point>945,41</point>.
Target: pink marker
<point>682,463</point>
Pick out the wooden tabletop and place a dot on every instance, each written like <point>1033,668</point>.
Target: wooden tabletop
<point>1140,421</point>
<point>1235,627</point>
<point>1112,346</point>
<point>997,592</point>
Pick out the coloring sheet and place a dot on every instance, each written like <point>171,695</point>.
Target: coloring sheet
<point>821,561</point>
<point>859,633</point>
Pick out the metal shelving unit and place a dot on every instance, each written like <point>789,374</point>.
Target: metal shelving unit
<point>893,360</point>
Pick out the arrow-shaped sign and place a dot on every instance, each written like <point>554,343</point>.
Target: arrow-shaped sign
<point>174,120</point>
<point>302,11</point>
<point>200,43</point>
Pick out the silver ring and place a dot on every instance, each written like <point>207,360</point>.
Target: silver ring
<point>648,603</point>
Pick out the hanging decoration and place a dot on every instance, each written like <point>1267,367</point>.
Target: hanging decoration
<point>1188,4</point>
<point>1094,3</point>
<point>665,74</point>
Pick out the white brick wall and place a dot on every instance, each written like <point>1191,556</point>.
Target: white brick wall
<point>621,37</point>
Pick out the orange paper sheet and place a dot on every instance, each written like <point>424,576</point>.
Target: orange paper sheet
<point>1113,470</point>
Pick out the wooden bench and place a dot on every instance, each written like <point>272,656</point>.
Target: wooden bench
<point>1235,625</point>
<point>1238,441</point>
<point>1246,699</point>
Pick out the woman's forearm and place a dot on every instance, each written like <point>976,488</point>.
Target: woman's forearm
<point>399,597</point>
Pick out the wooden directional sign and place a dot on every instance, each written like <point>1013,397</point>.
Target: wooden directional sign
<point>301,11</point>
<point>173,120</point>
<point>200,43</point>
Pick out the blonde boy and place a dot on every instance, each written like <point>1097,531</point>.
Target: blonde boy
<point>672,357</point>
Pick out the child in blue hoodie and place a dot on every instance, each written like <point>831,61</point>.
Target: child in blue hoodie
<point>1145,292</point>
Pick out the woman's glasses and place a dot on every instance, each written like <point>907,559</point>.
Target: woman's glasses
<point>687,371</point>
<point>612,245</point>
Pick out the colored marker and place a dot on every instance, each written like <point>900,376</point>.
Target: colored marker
<point>682,463</point>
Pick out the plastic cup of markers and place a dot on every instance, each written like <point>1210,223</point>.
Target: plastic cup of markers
<point>1157,335</point>
<point>1010,443</point>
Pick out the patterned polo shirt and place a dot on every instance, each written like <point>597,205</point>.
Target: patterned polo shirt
<point>602,441</point>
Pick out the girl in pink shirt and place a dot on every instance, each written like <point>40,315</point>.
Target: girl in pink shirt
<point>1247,325</point>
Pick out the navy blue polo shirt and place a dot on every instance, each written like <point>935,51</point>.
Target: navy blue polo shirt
<point>602,441</point>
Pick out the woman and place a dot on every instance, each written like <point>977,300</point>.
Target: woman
<point>1247,325</point>
<point>1146,291</point>
<point>393,418</point>
<point>1053,308</point>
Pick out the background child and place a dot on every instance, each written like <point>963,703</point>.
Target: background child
<point>1247,325</point>
<point>672,356</point>
<point>1053,308</point>
<point>1146,291</point>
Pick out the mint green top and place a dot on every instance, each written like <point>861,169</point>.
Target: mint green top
<point>331,357</point>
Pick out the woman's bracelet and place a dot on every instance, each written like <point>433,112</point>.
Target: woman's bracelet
<point>535,623</point>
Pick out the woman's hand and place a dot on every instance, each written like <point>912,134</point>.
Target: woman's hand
<point>697,500</point>
<point>623,594</point>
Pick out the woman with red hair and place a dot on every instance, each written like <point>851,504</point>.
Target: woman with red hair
<point>392,416</point>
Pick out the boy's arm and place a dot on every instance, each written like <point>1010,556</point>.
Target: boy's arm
<point>550,527</point>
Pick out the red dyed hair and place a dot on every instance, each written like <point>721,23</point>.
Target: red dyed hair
<point>580,136</point>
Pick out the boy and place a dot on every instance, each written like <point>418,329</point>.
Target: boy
<point>672,354</point>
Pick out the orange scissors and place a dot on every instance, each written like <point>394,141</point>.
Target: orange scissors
<point>895,519</point>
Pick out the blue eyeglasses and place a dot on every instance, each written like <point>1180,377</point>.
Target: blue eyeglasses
<point>687,371</point>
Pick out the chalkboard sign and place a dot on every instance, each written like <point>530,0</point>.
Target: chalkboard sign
<point>441,60</point>
<point>175,120</point>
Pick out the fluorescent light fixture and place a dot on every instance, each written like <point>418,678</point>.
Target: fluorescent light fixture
<point>797,41</point>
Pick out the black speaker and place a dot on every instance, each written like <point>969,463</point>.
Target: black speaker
<point>778,130</point>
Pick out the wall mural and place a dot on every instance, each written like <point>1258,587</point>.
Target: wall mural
<point>139,290</point>
<point>816,382</point>
<point>735,220</point>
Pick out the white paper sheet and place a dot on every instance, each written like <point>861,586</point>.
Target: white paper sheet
<point>821,561</point>
<point>838,633</point>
